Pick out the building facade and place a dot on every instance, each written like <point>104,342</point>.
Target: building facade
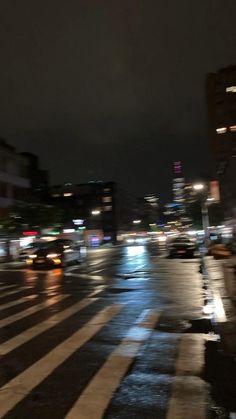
<point>92,202</point>
<point>14,180</point>
<point>221,106</point>
<point>39,179</point>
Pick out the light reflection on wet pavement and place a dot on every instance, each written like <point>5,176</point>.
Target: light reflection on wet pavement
<point>122,368</point>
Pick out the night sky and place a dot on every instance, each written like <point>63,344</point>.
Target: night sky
<point>112,90</point>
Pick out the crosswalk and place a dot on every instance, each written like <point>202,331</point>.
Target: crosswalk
<point>66,349</point>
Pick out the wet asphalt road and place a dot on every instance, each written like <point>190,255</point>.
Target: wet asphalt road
<point>111,338</point>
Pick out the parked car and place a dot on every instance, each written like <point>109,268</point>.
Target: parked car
<point>59,252</point>
<point>182,247</point>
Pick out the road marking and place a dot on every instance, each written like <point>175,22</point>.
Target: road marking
<point>97,395</point>
<point>188,398</point>
<point>190,360</point>
<point>6,294</point>
<point>18,388</point>
<point>85,276</point>
<point>219,307</point>
<point>51,321</point>
<point>32,310</point>
<point>189,392</point>
<point>16,302</point>
<point>7,286</point>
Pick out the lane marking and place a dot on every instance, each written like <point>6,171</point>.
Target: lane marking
<point>8,286</point>
<point>188,398</point>
<point>51,321</point>
<point>31,310</point>
<point>85,276</point>
<point>189,392</point>
<point>219,308</point>
<point>16,302</point>
<point>18,388</point>
<point>6,294</point>
<point>191,356</point>
<point>97,395</point>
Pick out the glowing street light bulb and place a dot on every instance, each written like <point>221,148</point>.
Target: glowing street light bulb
<point>95,212</point>
<point>198,187</point>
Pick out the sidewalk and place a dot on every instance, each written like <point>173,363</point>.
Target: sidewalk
<point>225,308</point>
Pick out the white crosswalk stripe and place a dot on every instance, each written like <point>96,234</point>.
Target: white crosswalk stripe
<point>5,287</point>
<point>93,402</point>
<point>16,390</point>
<point>188,396</point>
<point>18,301</point>
<point>51,321</point>
<point>31,310</point>
<point>17,291</point>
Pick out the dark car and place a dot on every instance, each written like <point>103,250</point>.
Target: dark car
<point>182,247</point>
<point>26,251</point>
<point>56,253</point>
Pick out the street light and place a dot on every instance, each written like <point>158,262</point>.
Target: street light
<point>136,221</point>
<point>95,212</point>
<point>202,188</point>
<point>198,186</point>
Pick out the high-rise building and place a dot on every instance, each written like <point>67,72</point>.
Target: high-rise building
<point>178,186</point>
<point>221,105</point>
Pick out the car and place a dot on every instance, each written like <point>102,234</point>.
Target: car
<point>136,240</point>
<point>182,247</point>
<point>26,251</point>
<point>60,252</point>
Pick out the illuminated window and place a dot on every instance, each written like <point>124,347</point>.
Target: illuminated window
<point>106,199</point>
<point>231,89</point>
<point>233,128</point>
<point>221,130</point>
<point>108,208</point>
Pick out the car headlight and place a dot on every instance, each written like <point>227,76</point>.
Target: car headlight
<point>52,255</point>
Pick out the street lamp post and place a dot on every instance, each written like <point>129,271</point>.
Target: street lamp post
<point>201,188</point>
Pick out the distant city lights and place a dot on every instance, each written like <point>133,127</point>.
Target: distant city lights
<point>78,222</point>
<point>222,130</point>
<point>95,212</point>
<point>231,89</point>
<point>68,230</point>
<point>198,186</point>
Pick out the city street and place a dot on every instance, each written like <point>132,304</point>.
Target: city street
<point>118,336</point>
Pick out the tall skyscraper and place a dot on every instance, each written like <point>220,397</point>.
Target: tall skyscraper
<point>178,186</point>
<point>221,106</point>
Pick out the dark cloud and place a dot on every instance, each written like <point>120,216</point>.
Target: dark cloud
<point>112,89</point>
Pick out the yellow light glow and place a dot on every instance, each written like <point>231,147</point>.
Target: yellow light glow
<point>57,261</point>
<point>29,261</point>
<point>222,130</point>
<point>52,255</point>
<point>231,89</point>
